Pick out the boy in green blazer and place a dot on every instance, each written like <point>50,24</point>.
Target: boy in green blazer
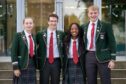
<point>23,54</point>
<point>101,48</point>
<point>50,52</point>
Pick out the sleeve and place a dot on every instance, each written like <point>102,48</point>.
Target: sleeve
<point>14,52</point>
<point>111,42</point>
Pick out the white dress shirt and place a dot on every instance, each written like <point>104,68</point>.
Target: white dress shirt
<point>55,46</point>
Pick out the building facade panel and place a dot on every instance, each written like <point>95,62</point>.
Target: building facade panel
<point>12,12</point>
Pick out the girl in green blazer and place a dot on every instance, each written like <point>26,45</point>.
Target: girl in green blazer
<point>23,55</point>
<point>73,62</point>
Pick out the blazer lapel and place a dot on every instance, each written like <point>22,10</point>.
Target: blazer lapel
<point>67,48</point>
<point>23,36</point>
<point>58,38</point>
<point>44,36</point>
<point>85,34</point>
<point>98,30</point>
<point>34,40</point>
<point>79,51</point>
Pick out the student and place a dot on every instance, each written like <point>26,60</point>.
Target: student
<point>73,69</point>
<point>23,54</point>
<point>50,53</point>
<point>101,48</point>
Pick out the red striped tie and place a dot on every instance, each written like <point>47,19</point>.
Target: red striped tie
<point>92,36</point>
<point>31,50</point>
<point>51,57</point>
<point>75,53</point>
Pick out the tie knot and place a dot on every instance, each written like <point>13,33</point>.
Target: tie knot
<point>93,24</point>
<point>51,33</point>
<point>29,36</point>
<point>74,42</point>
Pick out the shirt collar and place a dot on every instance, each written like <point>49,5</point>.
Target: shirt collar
<point>74,40</point>
<point>26,33</point>
<point>49,31</point>
<point>94,22</point>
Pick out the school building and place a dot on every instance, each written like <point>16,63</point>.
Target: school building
<point>13,11</point>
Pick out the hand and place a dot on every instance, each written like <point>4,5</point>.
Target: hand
<point>17,73</point>
<point>111,64</point>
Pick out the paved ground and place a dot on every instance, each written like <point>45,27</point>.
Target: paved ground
<point>8,59</point>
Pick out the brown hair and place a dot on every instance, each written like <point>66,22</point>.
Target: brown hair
<point>53,15</point>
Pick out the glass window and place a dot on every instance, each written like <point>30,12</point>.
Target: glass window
<point>39,10</point>
<point>7,25</point>
<point>75,11</point>
<point>114,11</point>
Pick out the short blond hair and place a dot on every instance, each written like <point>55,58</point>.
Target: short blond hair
<point>93,7</point>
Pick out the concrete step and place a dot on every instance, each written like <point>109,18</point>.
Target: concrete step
<point>120,65</point>
<point>6,66</point>
<point>6,74</point>
<point>116,81</point>
<point>118,73</point>
<point>5,81</point>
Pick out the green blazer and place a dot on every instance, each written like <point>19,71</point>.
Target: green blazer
<point>104,41</point>
<point>41,39</point>
<point>19,51</point>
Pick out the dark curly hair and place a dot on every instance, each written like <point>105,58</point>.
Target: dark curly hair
<point>69,36</point>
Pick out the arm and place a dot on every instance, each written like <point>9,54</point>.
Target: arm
<point>111,42</point>
<point>14,52</point>
<point>14,55</point>
<point>112,46</point>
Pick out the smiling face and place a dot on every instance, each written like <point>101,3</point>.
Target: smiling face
<point>93,13</point>
<point>74,30</point>
<point>28,24</point>
<point>52,22</point>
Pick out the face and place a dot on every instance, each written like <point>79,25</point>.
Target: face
<point>52,23</point>
<point>74,31</point>
<point>28,24</point>
<point>93,15</point>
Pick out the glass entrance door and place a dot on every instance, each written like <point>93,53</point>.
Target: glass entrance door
<point>39,10</point>
<point>114,12</point>
<point>2,26</point>
<point>7,25</point>
<point>118,24</point>
<point>75,11</point>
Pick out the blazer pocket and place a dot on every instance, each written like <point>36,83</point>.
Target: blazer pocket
<point>19,57</point>
<point>105,53</point>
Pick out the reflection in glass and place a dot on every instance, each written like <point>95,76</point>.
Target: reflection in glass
<point>114,12</point>
<point>7,25</point>
<point>75,11</point>
<point>39,10</point>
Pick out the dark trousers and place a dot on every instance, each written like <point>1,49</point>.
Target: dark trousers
<point>51,72</point>
<point>93,66</point>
